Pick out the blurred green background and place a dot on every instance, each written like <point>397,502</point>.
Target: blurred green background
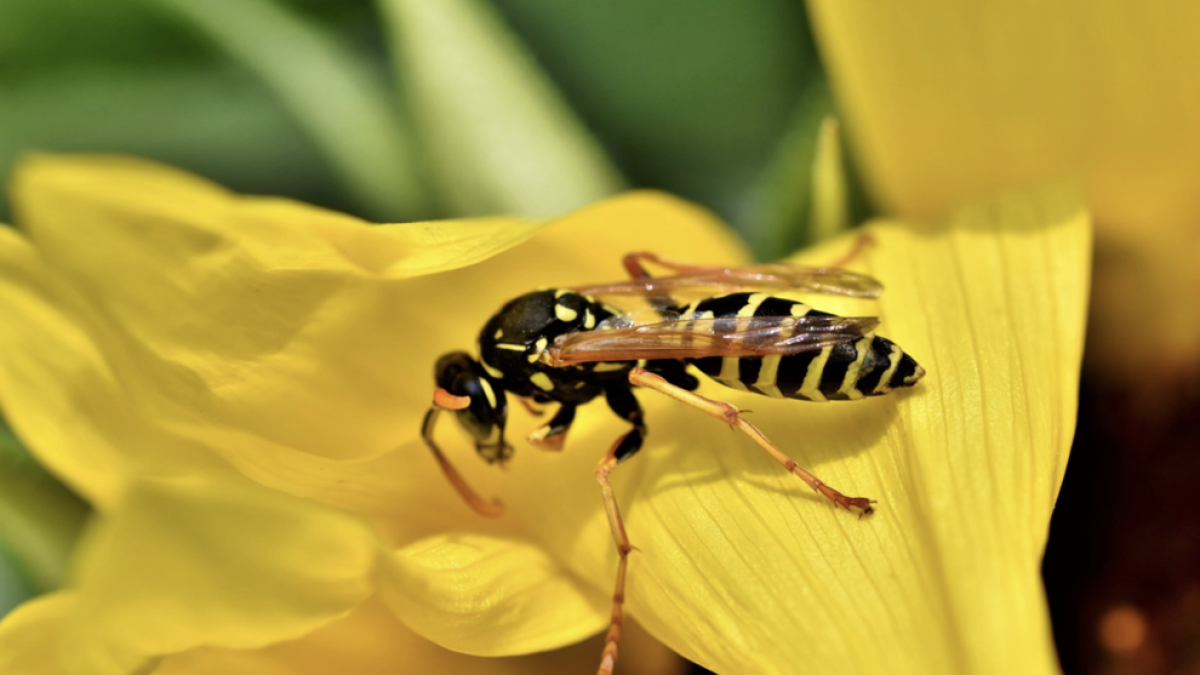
<point>715,100</point>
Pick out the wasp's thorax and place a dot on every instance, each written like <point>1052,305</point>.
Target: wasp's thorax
<point>513,341</point>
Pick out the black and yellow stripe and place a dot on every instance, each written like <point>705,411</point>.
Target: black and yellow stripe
<point>870,366</point>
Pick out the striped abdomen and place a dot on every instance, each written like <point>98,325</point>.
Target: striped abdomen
<point>870,366</point>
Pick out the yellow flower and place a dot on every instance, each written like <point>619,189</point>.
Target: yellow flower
<point>237,384</point>
<point>949,101</point>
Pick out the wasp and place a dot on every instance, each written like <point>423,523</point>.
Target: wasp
<point>570,346</point>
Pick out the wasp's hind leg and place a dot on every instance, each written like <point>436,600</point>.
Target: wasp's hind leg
<point>675,372</point>
<point>625,405</point>
<point>861,242</point>
<point>730,415</point>
<point>552,434</point>
<point>633,265</point>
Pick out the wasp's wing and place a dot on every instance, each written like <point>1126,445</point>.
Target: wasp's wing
<point>777,276</point>
<point>687,338</point>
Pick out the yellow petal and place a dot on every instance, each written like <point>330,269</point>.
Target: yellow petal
<point>742,569</point>
<point>371,642</point>
<point>368,641</point>
<point>489,596</point>
<point>220,310</point>
<point>30,635</point>
<point>949,101</point>
<point>60,396</point>
<point>182,564</point>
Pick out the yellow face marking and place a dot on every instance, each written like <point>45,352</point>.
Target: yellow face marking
<point>799,309</point>
<point>510,347</point>
<point>498,334</point>
<point>487,391</point>
<point>561,292</point>
<point>812,378</point>
<point>537,350</point>
<point>589,319</point>
<point>848,389</point>
<point>542,381</point>
<point>565,313</point>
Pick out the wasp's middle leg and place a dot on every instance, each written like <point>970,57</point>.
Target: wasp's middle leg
<point>730,415</point>
<point>624,404</point>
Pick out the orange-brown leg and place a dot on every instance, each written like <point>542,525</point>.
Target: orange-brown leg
<point>633,265</point>
<point>633,262</point>
<point>444,400</point>
<point>730,415</point>
<point>622,402</point>
<point>619,450</point>
<point>861,242</point>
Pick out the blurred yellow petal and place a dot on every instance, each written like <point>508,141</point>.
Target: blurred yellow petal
<point>371,642</point>
<point>187,563</point>
<point>30,635</point>
<point>489,596</point>
<point>742,569</point>
<point>61,397</point>
<point>949,101</point>
<point>368,641</point>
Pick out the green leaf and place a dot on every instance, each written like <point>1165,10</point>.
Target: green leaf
<point>335,95</point>
<point>498,134</point>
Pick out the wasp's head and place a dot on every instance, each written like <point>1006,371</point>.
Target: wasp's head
<point>485,416</point>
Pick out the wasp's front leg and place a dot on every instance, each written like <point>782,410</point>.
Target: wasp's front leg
<point>445,401</point>
<point>552,434</point>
